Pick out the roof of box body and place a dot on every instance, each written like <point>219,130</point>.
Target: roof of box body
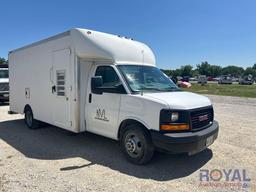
<point>93,45</point>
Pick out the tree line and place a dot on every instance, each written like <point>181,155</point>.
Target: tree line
<point>211,70</point>
<point>3,60</point>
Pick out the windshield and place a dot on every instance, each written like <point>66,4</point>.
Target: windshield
<point>4,74</point>
<point>146,78</point>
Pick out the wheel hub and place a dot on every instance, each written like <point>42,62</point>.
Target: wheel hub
<point>131,145</point>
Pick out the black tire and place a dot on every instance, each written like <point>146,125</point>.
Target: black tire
<point>29,119</point>
<point>136,144</point>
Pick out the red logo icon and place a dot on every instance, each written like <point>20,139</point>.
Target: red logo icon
<point>203,118</point>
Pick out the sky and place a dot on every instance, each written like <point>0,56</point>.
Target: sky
<point>180,32</point>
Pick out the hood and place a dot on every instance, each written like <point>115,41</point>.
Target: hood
<point>181,99</point>
<point>4,80</point>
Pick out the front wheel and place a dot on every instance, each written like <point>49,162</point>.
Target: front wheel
<point>29,119</point>
<point>136,144</point>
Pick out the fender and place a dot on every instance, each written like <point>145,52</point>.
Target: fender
<point>130,118</point>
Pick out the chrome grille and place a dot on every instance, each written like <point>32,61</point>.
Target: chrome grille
<point>201,118</point>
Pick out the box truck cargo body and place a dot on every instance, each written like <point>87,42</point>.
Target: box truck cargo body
<point>83,80</point>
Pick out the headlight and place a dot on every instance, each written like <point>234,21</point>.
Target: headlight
<point>174,116</point>
<point>174,120</point>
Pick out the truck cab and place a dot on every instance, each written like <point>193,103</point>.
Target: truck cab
<point>143,109</point>
<point>4,85</point>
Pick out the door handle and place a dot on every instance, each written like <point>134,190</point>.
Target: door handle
<point>53,88</point>
<point>90,98</point>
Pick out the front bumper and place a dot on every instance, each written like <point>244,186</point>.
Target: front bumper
<point>185,142</point>
<point>4,96</point>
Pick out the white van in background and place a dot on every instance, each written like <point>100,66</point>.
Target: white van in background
<point>225,79</point>
<point>202,79</point>
<point>83,80</point>
<point>4,84</point>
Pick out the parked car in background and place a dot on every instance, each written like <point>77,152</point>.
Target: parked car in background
<point>185,84</point>
<point>225,79</point>
<point>185,79</point>
<point>174,79</point>
<point>193,79</point>
<point>209,78</point>
<point>235,79</point>
<point>202,79</point>
<point>179,78</point>
<point>4,85</point>
<point>216,78</point>
<point>246,80</point>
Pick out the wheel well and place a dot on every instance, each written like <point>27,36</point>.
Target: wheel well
<point>127,122</point>
<point>27,107</point>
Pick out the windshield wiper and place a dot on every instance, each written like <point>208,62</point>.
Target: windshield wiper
<point>172,89</point>
<point>150,88</point>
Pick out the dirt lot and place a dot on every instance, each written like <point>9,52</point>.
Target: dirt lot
<point>51,159</point>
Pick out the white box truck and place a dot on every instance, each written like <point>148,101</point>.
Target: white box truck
<point>83,80</point>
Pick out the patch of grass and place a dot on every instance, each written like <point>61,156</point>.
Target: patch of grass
<point>227,90</point>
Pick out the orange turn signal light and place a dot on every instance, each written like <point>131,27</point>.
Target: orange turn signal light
<point>177,127</point>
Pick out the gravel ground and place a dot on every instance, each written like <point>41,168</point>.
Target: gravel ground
<point>51,159</point>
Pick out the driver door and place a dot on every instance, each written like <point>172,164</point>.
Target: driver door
<point>102,109</point>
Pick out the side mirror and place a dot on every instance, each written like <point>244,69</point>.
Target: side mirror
<point>96,83</point>
<point>120,89</point>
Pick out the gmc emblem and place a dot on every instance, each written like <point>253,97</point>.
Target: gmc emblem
<point>203,117</point>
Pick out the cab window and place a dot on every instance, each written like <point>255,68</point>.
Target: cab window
<point>108,75</point>
<point>111,81</point>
